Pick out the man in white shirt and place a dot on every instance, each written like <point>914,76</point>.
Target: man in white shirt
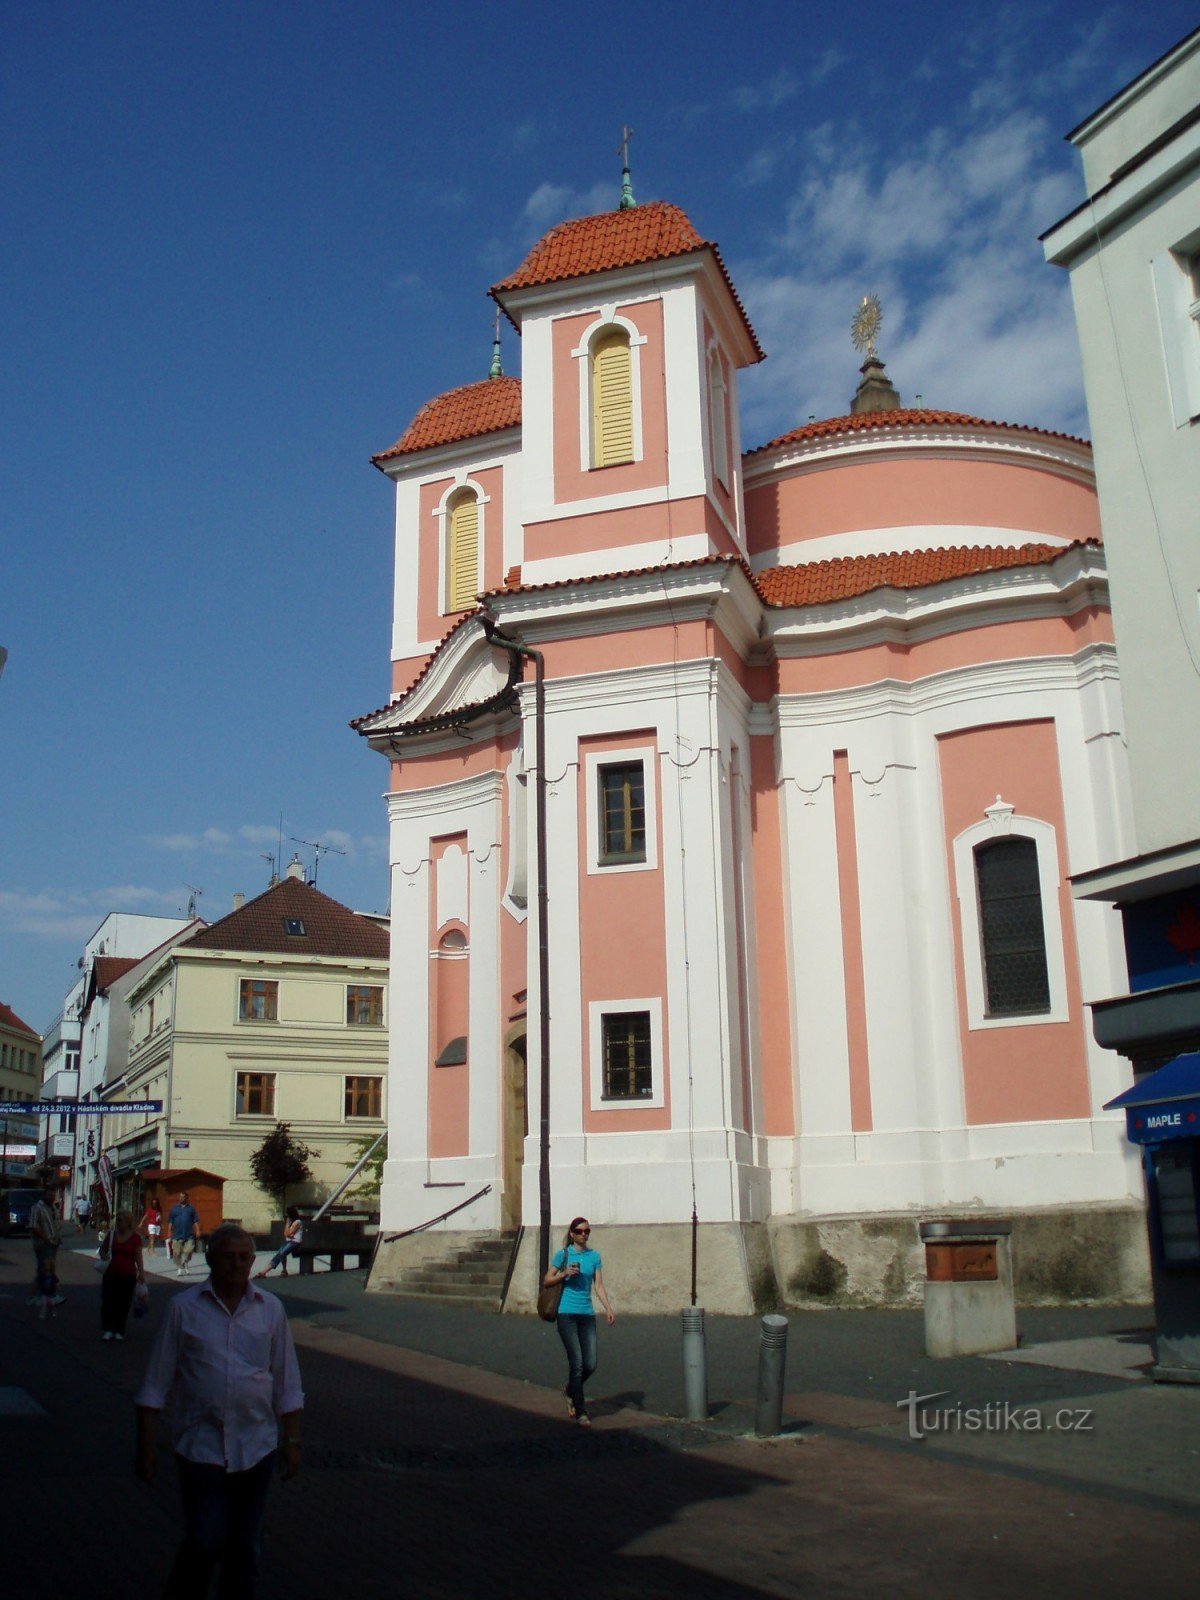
<point>224,1358</point>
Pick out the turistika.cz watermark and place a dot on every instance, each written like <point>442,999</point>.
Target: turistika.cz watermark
<point>998,1416</point>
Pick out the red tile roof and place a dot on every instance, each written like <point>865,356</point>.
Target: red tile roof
<point>10,1019</point>
<point>260,927</point>
<point>652,232</point>
<point>610,240</point>
<point>817,583</point>
<point>466,413</point>
<point>869,421</point>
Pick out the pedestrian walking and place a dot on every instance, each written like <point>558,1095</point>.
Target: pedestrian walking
<point>577,1267</point>
<point>83,1212</point>
<point>182,1223</point>
<point>293,1236</point>
<point>122,1249</point>
<point>224,1358</point>
<point>46,1227</point>
<point>152,1223</point>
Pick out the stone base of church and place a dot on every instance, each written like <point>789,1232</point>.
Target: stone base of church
<point>1061,1256</point>
<point>1076,1255</point>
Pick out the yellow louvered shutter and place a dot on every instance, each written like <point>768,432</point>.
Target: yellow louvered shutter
<point>612,401</point>
<point>462,568</point>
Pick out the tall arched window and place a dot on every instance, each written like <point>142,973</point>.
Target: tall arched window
<point>1012,933</point>
<point>718,418</point>
<point>462,551</point>
<point>612,399</point>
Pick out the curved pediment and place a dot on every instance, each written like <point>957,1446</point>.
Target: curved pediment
<point>466,676</point>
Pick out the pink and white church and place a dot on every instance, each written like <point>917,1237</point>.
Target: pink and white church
<point>829,724</point>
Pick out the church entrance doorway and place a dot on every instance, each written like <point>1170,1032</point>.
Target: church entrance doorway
<point>516,1127</point>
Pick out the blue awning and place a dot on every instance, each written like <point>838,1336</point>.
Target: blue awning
<point>1178,1080</point>
<point>1165,1106</point>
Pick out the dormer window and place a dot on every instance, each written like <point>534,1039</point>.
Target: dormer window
<point>612,398</point>
<point>462,551</point>
<point>295,927</point>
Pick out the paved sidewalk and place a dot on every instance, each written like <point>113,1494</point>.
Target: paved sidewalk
<point>438,1462</point>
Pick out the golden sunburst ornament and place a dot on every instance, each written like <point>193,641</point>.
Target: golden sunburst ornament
<point>866,324</point>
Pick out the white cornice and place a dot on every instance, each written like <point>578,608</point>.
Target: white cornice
<point>955,686</point>
<point>625,284</point>
<point>437,461</point>
<point>947,442</point>
<point>482,789</point>
<point>1076,580</point>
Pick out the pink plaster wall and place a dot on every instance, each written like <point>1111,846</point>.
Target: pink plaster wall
<point>622,943</point>
<point>571,535</point>
<point>572,483</point>
<point>804,502</point>
<point>449,993</point>
<point>770,943</point>
<point>636,647</point>
<point>1034,1072</point>
<point>852,951</point>
<point>972,646</point>
<point>444,766</point>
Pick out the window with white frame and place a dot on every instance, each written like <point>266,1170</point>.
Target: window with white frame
<point>1008,883</point>
<point>626,1053</point>
<point>621,810</point>
<point>612,398</point>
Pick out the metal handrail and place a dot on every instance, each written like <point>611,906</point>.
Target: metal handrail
<point>390,1238</point>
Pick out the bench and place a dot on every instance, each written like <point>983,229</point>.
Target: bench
<point>337,1246</point>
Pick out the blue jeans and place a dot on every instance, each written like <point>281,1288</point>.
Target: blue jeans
<point>578,1335</point>
<point>222,1517</point>
<point>286,1249</point>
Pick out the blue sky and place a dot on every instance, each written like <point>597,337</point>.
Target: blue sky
<point>244,242</point>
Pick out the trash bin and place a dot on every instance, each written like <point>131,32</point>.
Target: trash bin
<point>969,1307</point>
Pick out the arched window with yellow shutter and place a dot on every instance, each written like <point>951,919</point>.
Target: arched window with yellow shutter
<point>462,551</point>
<point>612,399</point>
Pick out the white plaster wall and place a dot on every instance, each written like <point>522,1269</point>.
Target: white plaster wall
<point>414,1187</point>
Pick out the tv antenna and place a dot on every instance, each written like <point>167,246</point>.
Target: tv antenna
<point>267,856</point>
<point>192,898</point>
<point>319,848</point>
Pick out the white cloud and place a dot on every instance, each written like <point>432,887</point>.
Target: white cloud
<point>944,228</point>
<point>827,64</point>
<point>555,202</point>
<point>768,96</point>
<point>75,914</point>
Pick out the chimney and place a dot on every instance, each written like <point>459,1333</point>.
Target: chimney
<point>239,900</point>
<point>295,869</point>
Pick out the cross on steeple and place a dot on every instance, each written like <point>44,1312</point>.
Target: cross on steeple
<point>627,200</point>
<point>496,370</point>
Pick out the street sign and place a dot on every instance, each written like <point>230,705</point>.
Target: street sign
<point>72,1108</point>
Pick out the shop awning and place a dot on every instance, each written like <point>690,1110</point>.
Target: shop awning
<point>1165,1105</point>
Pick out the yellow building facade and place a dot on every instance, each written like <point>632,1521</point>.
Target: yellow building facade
<point>276,1013</point>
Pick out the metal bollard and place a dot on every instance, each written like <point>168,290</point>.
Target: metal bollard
<point>772,1357</point>
<point>695,1365</point>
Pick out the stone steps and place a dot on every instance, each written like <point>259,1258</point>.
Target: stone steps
<point>472,1277</point>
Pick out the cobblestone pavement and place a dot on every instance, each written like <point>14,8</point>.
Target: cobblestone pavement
<point>439,1463</point>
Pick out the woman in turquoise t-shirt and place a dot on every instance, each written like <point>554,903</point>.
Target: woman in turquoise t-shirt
<point>577,1267</point>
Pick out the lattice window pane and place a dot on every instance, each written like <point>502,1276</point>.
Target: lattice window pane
<point>1016,978</point>
<point>628,1062</point>
<point>623,812</point>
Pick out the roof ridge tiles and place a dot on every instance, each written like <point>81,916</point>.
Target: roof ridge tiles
<point>467,412</point>
<point>904,417</point>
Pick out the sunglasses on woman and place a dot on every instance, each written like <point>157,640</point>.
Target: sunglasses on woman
<point>583,1231</point>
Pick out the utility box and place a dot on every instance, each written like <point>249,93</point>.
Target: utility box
<point>969,1307</point>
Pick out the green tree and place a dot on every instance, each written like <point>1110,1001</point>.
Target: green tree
<point>370,1179</point>
<point>281,1162</point>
